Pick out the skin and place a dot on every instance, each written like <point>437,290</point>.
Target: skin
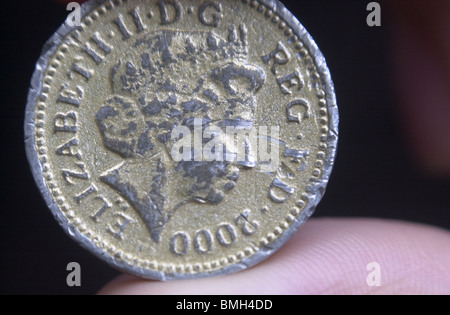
<point>330,256</point>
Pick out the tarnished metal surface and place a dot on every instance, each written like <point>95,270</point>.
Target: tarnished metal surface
<point>103,104</point>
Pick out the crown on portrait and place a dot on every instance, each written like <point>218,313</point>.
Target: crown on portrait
<point>182,57</point>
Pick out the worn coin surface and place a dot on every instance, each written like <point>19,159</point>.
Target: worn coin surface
<point>177,139</point>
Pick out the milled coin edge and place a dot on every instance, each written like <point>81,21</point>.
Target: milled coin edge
<point>314,195</point>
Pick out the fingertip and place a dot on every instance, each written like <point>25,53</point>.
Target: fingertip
<point>330,256</point>
<point>124,285</point>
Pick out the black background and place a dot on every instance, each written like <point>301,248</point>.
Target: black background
<point>374,174</point>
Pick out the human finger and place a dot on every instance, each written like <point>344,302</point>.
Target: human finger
<point>330,256</point>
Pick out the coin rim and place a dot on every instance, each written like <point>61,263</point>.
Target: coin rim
<point>314,195</point>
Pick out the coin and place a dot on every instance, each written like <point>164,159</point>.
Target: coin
<point>180,139</point>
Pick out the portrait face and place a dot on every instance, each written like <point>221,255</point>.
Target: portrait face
<point>178,79</point>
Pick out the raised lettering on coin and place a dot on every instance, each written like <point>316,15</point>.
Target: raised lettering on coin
<point>178,139</point>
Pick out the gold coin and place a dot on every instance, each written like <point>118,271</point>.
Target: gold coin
<point>177,139</point>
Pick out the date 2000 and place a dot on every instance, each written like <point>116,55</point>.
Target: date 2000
<point>203,240</point>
